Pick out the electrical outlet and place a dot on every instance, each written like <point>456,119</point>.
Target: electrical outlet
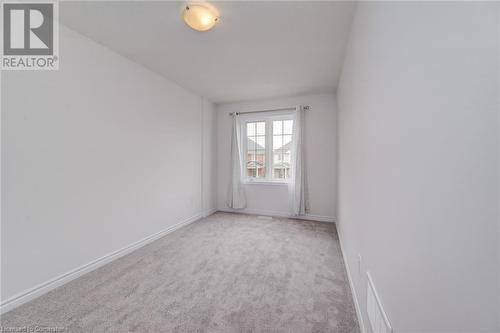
<point>359,264</point>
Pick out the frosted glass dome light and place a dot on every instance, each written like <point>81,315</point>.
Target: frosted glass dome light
<point>199,17</point>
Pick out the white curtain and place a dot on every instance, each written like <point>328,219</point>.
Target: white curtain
<point>236,195</point>
<point>296,187</point>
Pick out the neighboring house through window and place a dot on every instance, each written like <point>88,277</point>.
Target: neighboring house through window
<point>268,141</point>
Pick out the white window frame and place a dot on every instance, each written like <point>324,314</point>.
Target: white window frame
<point>268,118</point>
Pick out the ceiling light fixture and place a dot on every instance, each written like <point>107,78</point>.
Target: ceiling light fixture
<point>199,17</point>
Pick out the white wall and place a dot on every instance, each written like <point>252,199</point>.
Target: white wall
<point>320,129</point>
<point>419,162</point>
<point>209,158</point>
<point>95,156</point>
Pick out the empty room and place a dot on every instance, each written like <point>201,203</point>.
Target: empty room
<point>250,166</point>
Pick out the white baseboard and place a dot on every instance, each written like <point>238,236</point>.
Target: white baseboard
<point>49,285</point>
<point>249,211</point>
<point>351,284</point>
<point>209,212</point>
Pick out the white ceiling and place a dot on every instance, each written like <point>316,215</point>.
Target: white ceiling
<point>258,49</point>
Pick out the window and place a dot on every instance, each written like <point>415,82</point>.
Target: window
<point>256,149</point>
<point>267,147</point>
<point>282,142</point>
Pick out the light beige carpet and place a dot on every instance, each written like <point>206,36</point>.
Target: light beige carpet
<point>225,273</point>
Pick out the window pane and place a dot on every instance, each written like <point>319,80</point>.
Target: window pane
<point>276,157</point>
<point>287,157</point>
<point>261,172</point>
<point>282,141</point>
<point>286,140</point>
<point>260,156</point>
<point>277,127</point>
<point>277,142</point>
<point>250,159</point>
<point>276,173</point>
<point>261,164</point>
<point>250,145</point>
<point>261,142</point>
<point>261,128</point>
<point>250,162</point>
<point>279,167</point>
<point>287,126</point>
<point>256,149</point>
<point>250,129</point>
<point>251,172</point>
<point>279,157</point>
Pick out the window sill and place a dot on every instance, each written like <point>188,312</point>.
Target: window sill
<point>265,182</point>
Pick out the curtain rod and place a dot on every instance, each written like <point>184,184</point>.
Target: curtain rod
<point>305,107</point>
